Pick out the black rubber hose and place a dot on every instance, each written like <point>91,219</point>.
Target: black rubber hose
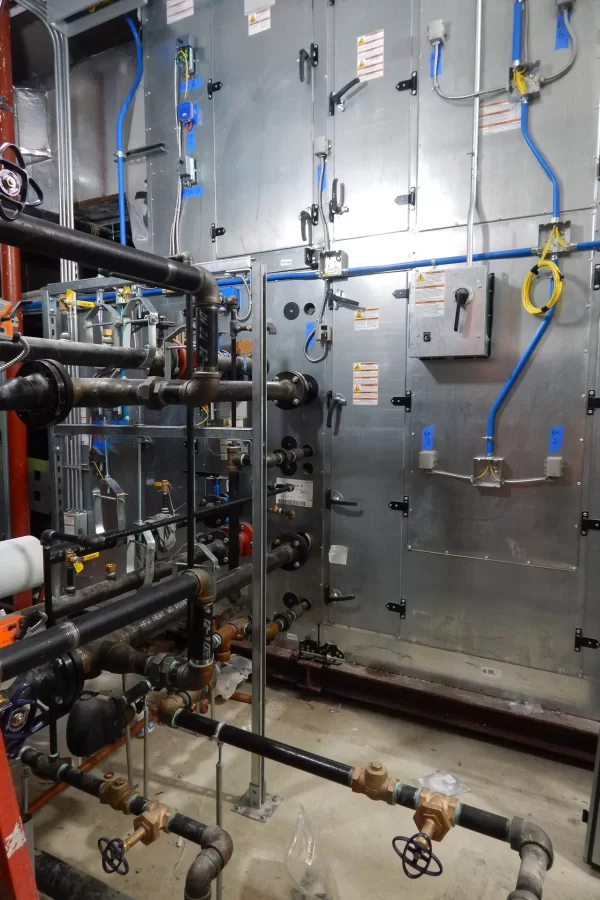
<point>330,769</point>
<point>60,881</point>
<point>48,644</point>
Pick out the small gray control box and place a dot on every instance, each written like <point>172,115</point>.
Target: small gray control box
<point>449,312</point>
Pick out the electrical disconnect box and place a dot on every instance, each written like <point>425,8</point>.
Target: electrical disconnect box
<point>449,312</point>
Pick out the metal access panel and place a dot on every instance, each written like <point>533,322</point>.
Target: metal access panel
<point>366,454</point>
<point>563,121</point>
<point>450,312</point>
<point>372,135</point>
<point>263,126</point>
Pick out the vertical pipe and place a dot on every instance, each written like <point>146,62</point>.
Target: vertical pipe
<point>517,41</point>
<point>475,140</point>
<point>18,475</point>
<point>219,810</point>
<point>128,744</point>
<point>146,727</point>
<point>50,621</point>
<point>256,790</point>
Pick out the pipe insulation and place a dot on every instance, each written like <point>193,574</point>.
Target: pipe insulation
<point>21,564</point>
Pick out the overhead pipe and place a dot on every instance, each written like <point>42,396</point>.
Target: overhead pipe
<point>17,453</point>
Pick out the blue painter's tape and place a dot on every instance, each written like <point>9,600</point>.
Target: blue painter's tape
<point>309,328</point>
<point>191,140</point>
<point>556,438</point>
<point>194,190</point>
<point>427,437</point>
<point>562,35</point>
<point>193,84</point>
<point>431,61</point>
<point>319,177</point>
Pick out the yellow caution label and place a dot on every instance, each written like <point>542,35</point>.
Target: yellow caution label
<point>251,19</point>
<point>361,40</point>
<point>361,64</point>
<point>357,367</point>
<point>357,389</point>
<point>420,277</point>
<point>89,556</point>
<point>78,566</point>
<point>358,315</point>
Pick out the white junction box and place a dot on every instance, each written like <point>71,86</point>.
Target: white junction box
<point>450,312</point>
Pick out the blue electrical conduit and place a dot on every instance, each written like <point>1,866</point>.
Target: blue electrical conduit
<point>517,41</point>
<point>541,159</point>
<point>358,271</point>
<point>120,120</point>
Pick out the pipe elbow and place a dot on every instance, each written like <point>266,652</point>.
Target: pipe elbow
<point>525,834</point>
<point>212,859</point>
<point>209,293</point>
<point>535,849</point>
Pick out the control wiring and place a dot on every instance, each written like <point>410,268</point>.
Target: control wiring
<point>248,312</point>
<point>557,278</point>
<point>549,79</point>
<point>440,92</point>
<point>327,286</point>
<point>174,244</point>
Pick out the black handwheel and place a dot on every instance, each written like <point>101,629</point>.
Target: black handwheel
<point>417,855</point>
<point>15,184</point>
<point>112,852</point>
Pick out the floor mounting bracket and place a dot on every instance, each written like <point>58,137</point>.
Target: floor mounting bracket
<point>400,505</point>
<point>588,524</point>
<point>582,641</point>
<point>262,813</point>
<point>405,401</point>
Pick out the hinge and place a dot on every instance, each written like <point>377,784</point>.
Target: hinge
<point>216,232</point>
<point>401,294</point>
<point>582,641</point>
<point>597,277</point>
<point>592,402</point>
<point>407,199</point>
<point>212,87</point>
<point>411,84</point>
<point>588,524</point>
<point>406,400</point>
<point>397,608</point>
<point>400,505</point>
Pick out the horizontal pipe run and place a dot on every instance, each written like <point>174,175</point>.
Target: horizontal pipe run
<point>60,881</point>
<point>330,769</point>
<point>58,242</point>
<point>80,353</point>
<point>59,639</point>
<point>482,822</point>
<point>242,390</point>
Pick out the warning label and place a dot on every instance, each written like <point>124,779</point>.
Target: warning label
<point>499,115</point>
<point>259,20</point>
<point>179,9</point>
<point>365,384</point>
<point>369,55</point>
<point>428,296</point>
<point>366,319</point>
<point>302,495</point>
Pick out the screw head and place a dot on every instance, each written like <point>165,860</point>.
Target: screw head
<point>296,565</point>
<point>295,379</point>
<point>226,540</point>
<point>295,401</point>
<point>276,542</point>
<point>225,559</point>
<point>295,543</point>
<point>263,818</point>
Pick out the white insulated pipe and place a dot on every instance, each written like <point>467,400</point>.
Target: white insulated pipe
<point>21,565</point>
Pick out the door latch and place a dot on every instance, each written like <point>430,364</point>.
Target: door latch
<point>307,58</point>
<point>309,218</point>
<point>333,401</point>
<point>333,498</point>
<point>336,204</point>
<point>332,595</point>
<point>336,97</point>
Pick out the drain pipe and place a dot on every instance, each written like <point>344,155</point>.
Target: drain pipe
<point>11,293</point>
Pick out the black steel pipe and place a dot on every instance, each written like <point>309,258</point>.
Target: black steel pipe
<point>242,390</point>
<point>79,353</point>
<point>80,224</point>
<point>243,364</point>
<point>60,881</point>
<point>57,242</point>
<point>483,822</point>
<point>330,769</point>
<point>59,639</point>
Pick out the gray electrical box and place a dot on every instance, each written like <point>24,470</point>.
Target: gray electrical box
<point>449,312</point>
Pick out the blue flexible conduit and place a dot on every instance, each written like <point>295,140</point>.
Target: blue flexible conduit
<point>122,114</point>
<point>540,158</point>
<point>517,42</point>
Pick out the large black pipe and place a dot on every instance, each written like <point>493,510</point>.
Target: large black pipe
<point>80,224</point>
<point>79,353</point>
<point>57,242</point>
<point>338,772</point>
<point>55,641</point>
<point>60,881</point>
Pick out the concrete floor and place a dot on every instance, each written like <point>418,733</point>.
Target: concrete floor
<point>354,833</point>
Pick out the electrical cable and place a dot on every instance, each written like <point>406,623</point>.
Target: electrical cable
<point>249,310</point>
<point>20,357</point>
<point>440,93</point>
<point>174,245</point>
<point>557,278</point>
<point>549,79</point>
<point>120,119</point>
<point>327,286</point>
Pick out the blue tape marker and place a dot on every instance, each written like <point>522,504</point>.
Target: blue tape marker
<point>193,84</point>
<point>319,178</point>
<point>427,438</point>
<point>562,35</point>
<point>191,140</point>
<point>431,61</point>
<point>194,190</point>
<point>556,438</point>
<point>308,328</point>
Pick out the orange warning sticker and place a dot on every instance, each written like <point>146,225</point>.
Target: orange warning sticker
<point>365,384</point>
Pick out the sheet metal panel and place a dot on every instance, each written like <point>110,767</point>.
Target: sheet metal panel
<point>563,122</point>
<point>372,136</point>
<point>263,127</point>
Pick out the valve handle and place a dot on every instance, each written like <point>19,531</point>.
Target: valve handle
<point>20,717</point>
<point>112,852</point>
<point>15,183</point>
<point>417,855</point>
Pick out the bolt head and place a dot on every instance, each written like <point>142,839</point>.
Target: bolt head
<point>296,565</point>
<point>237,808</point>
<point>225,559</point>
<point>295,379</point>
<point>276,799</point>
<point>263,818</point>
<point>295,543</point>
<point>276,542</point>
<point>295,401</point>
<point>226,540</point>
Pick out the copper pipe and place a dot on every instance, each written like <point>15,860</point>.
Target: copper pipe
<point>241,697</point>
<point>18,474</point>
<point>90,763</point>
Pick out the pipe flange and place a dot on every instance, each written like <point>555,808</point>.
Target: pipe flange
<point>300,543</point>
<point>59,399</point>
<point>305,389</point>
<point>216,519</point>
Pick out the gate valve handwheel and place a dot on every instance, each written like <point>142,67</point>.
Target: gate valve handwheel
<point>417,855</point>
<point>112,852</point>
<point>20,718</point>
<point>15,183</point>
